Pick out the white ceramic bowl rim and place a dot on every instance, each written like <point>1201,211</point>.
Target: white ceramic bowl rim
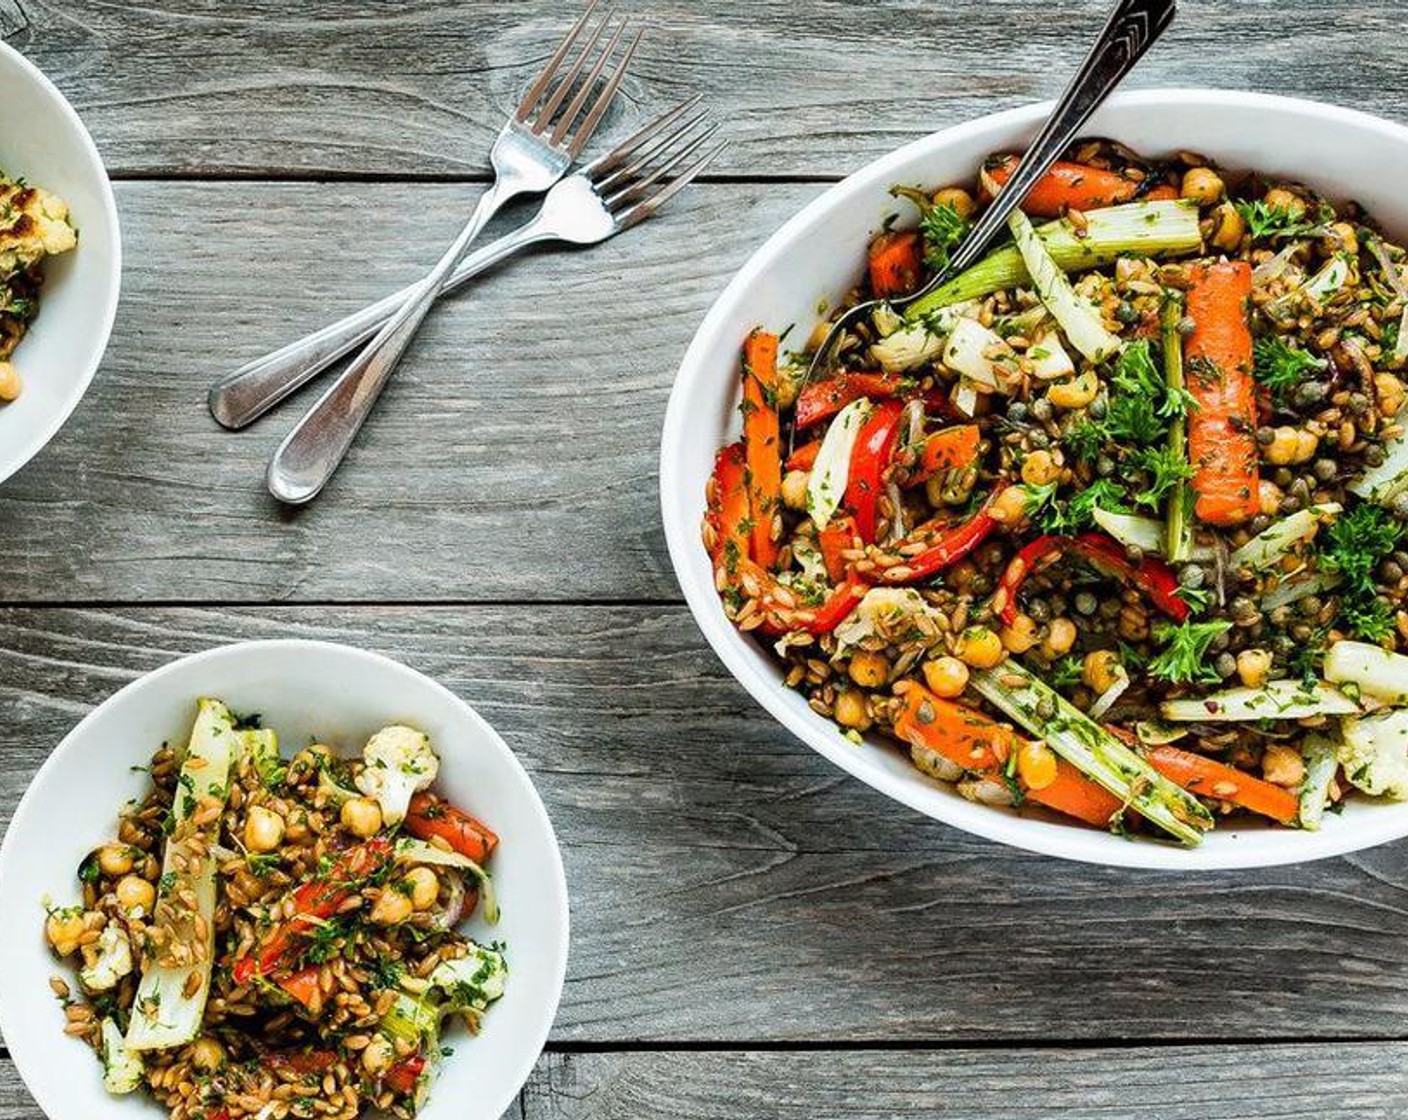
<point>547,1014</point>
<point>36,439</point>
<point>681,512</point>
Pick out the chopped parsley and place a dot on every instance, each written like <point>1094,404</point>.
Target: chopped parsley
<point>1183,660</point>
<point>1280,366</point>
<point>1355,545</point>
<point>943,228</point>
<point>1266,222</point>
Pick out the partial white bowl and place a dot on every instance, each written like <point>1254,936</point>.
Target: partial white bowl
<point>303,690</point>
<point>43,141</point>
<point>817,256</point>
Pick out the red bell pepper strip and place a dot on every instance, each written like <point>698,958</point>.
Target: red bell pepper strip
<point>430,816</point>
<point>946,547</point>
<point>804,458</point>
<point>761,443</point>
<point>896,259</point>
<point>875,445</point>
<point>303,986</point>
<point>1151,575</point>
<point>315,901</point>
<point>950,449</point>
<point>820,400</point>
<point>403,1076</point>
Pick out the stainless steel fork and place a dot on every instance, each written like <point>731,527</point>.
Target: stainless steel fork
<point>613,193</point>
<point>533,150</point>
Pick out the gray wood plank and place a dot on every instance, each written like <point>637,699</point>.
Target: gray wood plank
<point>514,455</point>
<point>386,87</point>
<point>728,884</point>
<point>1323,1082</point>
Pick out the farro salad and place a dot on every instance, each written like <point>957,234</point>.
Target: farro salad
<point>1112,524</point>
<point>278,938</point>
<point>34,225</point>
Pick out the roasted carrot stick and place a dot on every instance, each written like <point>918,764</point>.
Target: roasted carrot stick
<point>1077,796</point>
<point>946,450</point>
<point>804,458</point>
<point>963,736</point>
<point>1164,192</point>
<point>1218,371</point>
<point>728,508</point>
<point>430,816</point>
<point>1207,777</point>
<point>1067,186</point>
<point>838,536</point>
<point>896,262</point>
<point>760,442</point>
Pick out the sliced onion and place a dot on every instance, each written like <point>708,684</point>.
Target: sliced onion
<point>1105,701</point>
<point>452,913</point>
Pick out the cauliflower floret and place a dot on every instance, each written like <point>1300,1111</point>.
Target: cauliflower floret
<point>1374,753</point>
<point>122,1068</point>
<point>890,614</point>
<point>399,763</point>
<point>470,983</point>
<point>110,961</point>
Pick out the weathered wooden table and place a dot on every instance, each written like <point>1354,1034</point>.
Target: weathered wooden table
<point>755,934</point>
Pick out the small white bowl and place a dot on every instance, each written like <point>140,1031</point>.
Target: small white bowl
<point>818,255</point>
<point>43,141</point>
<point>303,690</point>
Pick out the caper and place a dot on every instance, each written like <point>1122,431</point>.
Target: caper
<point>1226,665</point>
<point>1086,603</point>
<point>1192,576</point>
<point>1325,469</point>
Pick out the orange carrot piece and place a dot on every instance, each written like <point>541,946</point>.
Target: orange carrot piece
<point>1218,373</point>
<point>728,507</point>
<point>1067,186</point>
<point>838,536</point>
<point>896,262</point>
<point>1077,796</point>
<point>1164,192</point>
<point>1207,777</point>
<point>761,442</point>
<point>804,458</point>
<point>946,450</point>
<point>963,736</point>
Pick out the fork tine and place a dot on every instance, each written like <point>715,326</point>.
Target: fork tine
<point>546,75</point>
<point>614,158</point>
<point>642,210</point>
<point>633,191</point>
<point>568,115</point>
<point>545,115</point>
<point>651,151</point>
<point>608,94</point>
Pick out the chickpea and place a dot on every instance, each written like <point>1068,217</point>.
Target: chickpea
<point>263,830</point>
<point>115,859</point>
<point>1036,764</point>
<point>361,816</point>
<point>869,670</point>
<point>1307,444</point>
<point>979,647</point>
<point>378,1055</point>
<point>1203,185</point>
<point>1074,394</point>
<point>9,382</point>
<point>1391,394</point>
<point>1282,766</point>
<point>946,676</point>
<point>1228,228</point>
<point>134,893</point>
<point>391,908</point>
<point>1009,507</point>
<point>424,887</point>
<point>958,198</point>
<point>1253,666</point>
<point>1341,239</point>
<point>1101,669</point>
<point>852,710</point>
<point>207,1054</point>
<point>794,489</point>
<point>1040,468</point>
<point>1060,637</point>
<point>1282,199</point>
<point>1020,635</point>
<point>1268,497</point>
<point>64,928</point>
<point>1283,448</point>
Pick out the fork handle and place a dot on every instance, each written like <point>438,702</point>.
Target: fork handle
<point>316,446</point>
<point>1132,28</point>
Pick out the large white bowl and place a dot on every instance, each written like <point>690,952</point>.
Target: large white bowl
<point>303,690</point>
<point>817,256</point>
<point>42,140</point>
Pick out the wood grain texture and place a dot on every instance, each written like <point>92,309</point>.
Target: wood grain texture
<point>728,884</point>
<point>513,456</point>
<point>396,88</point>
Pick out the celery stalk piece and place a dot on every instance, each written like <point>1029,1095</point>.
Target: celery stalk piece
<point>1321,756</point>
<point>1268,546</point>
<point>164,1014</point>
<point>1178,532</point>
<point>1389,479</point>
<point>1151,229</point>
<point>1374,671</point>
<point>1283,699</point>
<point>1078,317</point>
<point>1093,750</point>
